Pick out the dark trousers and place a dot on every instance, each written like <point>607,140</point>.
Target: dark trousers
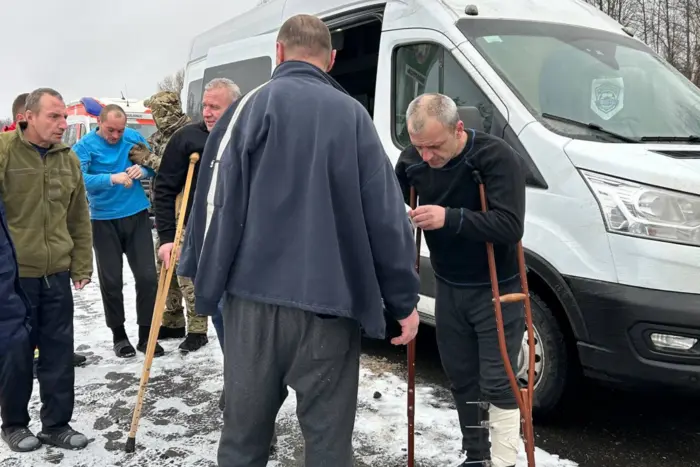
<point>468,343</point>
<point>52,332</point>
<point>267,349</point>
<point>130,236</point>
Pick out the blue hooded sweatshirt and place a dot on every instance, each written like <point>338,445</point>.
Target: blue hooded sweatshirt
<point>98,161</point>
<point>306,210</point>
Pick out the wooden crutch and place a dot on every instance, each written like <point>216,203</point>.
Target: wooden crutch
<point>523,396</point>
<point>166,275</point>
<point>412,356</point>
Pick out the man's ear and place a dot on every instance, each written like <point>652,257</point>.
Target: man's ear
<point>279,52</point>
<point>331,62</point>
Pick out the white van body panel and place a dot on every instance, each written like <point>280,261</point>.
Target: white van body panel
<point>576,12</point>
<point>193,72</point>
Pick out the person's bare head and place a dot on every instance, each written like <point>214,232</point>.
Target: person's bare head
<point>112,121</point>
<point>45,114</point>
<point>305,38</point>
<point>219,94</point>
<point>19,106</point>
<point>435,128</point>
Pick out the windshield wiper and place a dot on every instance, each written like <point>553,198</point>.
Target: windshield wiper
<point>591,126</point>
<point>672,139</point>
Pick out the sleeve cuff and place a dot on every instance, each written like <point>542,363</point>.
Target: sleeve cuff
<point>166,236</point>
<point>454,219</point>
<point>144,172</point>
<point>205,306</point>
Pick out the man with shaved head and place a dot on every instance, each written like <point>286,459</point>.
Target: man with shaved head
<point>299,224</point>
<point>440,164</point>
<point>121,225</point>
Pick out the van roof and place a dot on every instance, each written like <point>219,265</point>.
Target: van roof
<point>134,105</point>
<point>268,17</point>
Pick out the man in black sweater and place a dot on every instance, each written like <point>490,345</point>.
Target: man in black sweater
<point>170,180</point>
<point>439,164</point>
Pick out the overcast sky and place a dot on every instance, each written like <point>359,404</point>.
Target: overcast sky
<point>99,48</point>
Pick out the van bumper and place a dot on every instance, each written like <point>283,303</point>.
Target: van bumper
<point>620,321</point>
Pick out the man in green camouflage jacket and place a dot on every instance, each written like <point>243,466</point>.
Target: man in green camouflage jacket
<point>167,113</point>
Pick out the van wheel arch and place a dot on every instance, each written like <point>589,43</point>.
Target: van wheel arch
<point>555,323</point>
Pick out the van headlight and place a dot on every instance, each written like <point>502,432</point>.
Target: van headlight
<point>639,210</point>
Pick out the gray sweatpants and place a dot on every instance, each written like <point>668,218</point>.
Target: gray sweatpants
<point>268,348</point>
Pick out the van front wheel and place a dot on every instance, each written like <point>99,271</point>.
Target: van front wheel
<point>551,357</point>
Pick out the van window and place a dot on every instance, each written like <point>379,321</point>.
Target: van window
<point>247,74</point>
<point>194,100</point>
<point>589,76</point>
<point>428,67</point>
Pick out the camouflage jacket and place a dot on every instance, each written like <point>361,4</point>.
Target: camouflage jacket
<point>167,112</point>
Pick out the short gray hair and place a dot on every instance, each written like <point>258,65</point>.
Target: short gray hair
<point>431,105</point>
<point>33,101</point>
<point>225,83</point>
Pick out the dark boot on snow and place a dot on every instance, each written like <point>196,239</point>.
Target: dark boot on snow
<point>194,342</point>
<point>171,333</point>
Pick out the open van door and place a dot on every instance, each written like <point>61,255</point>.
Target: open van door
<point>248,62</point>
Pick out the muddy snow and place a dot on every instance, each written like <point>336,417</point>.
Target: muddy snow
<point>181,421</point>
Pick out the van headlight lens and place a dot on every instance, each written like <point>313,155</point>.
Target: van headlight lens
<point>638,210</point>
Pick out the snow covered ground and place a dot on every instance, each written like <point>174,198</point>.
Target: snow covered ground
<point>181,421</point>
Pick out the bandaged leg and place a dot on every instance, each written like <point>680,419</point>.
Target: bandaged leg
<point>504,428</point>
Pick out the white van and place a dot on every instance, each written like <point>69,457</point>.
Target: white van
<point>608,130</point>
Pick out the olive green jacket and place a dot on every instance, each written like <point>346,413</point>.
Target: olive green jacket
<point>47,208</point>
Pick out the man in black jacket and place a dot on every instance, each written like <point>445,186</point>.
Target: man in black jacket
<point>170,180</point>
<point>439,164</point>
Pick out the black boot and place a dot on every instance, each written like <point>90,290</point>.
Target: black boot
<point>194,342</point>
<point>171,333</point>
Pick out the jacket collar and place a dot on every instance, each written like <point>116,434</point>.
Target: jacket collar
<point>299,68</point>
<point>19,132</point>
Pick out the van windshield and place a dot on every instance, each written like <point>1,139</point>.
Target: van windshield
<point>589,76</point>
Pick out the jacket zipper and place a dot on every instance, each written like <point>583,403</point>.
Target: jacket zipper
<point>46,217</point>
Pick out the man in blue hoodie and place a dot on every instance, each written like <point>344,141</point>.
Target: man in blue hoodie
<point>120,224</point>
<point>299,223</point>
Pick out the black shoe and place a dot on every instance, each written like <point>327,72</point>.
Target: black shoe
<point>124,349</point>
<point>67,438</point>
<point>171,333</point>
<point>79,360</point>
<point>142,346</point>
<point>20,439</point>
<point>194,342</point>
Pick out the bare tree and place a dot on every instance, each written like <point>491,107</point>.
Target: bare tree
<point>174,82</point>
<point>5,122</point>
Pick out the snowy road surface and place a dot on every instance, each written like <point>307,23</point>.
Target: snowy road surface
<point>181,421</point>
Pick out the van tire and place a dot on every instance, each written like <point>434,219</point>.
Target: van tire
<point>555,374</point>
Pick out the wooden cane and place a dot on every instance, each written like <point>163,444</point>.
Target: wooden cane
<point>412,356</point>
<point>166,275</point>
<point>523,396</point>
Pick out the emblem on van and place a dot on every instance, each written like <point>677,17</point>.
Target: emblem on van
<point>607,97</point>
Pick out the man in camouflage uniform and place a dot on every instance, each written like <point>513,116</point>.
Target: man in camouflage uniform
<point>167,113</point>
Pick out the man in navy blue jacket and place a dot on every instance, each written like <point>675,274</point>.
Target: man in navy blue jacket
<point>15,345</point>
<point>299,223</point>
